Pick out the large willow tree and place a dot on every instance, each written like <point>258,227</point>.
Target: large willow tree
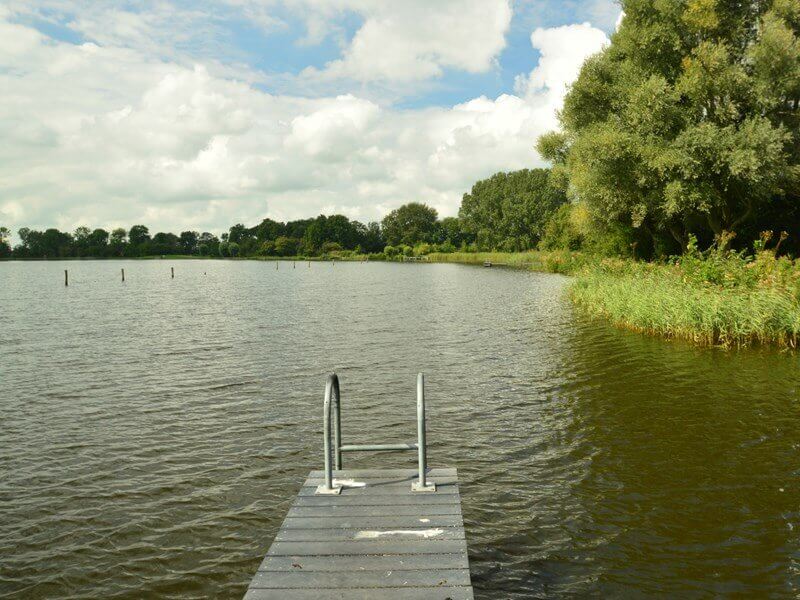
<point>688,122</point>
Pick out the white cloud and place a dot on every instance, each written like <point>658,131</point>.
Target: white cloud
<point>109,135</point>
<point>562,50</point>
<point>416,40</point>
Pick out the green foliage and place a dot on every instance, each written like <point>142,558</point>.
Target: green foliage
<point>688,123</point>
<point>410,224</point>
<point>560,232</point>
<point>138,235</point>
<point>5,246</point>
<point>509,211</point>
<point>286,246</point>
<point>717,298</point>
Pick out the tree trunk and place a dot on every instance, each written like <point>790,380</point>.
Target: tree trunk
<point>679,235</point>
<point>714,224</point>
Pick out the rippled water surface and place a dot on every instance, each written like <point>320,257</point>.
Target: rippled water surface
<point>154,433</point>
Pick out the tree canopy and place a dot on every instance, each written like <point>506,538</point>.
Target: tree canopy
<point>509,211</point>
<point>411,224</point>
<point>688,122</point>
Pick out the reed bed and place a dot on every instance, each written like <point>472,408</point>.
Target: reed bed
<point>557,261</point>
<point>729,301</point>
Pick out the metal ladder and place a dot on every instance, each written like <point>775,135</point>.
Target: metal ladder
<point>332,411</point>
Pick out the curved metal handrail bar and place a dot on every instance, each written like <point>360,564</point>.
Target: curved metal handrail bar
<point>332,412</point>
<point>331,405</point>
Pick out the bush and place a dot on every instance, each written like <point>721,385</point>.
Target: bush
<point>329,247</point>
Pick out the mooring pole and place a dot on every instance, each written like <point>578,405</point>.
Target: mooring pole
<point>276,265</point>
<point>123,275</point>
<point>172,271</point>
<point>66,278</point>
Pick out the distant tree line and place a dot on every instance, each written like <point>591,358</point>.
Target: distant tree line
<point>508,211</point>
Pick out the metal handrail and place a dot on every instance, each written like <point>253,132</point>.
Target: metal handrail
<point>332,412</point>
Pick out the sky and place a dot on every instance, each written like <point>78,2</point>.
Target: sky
<point>197,115</point>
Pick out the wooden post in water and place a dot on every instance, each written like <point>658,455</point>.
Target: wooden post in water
<point>294,264</point>
<point>172,272</point>
<point>276,265</point>
<point>66,278</point>
<point>123,275</point>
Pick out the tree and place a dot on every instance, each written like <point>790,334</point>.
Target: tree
<point>371,237</point>
<point>52,243</point>
<point>81,240</point>
<point>689,122</point>
<point>138,235</point>
<point>410,224</point>
<point>208,244</point>
<point>286,246</point>
<point>97,243</point>
<point>188,241</point>
<point>117,241</point>
<point>509,211</point>
<point>237,233</point>
<point>5,246</point>
<point>165,243</point>
<point>269,230</point>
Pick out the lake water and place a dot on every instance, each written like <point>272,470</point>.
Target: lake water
<point>154,433</point>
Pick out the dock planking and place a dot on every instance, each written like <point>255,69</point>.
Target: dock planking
<point>377,540</point>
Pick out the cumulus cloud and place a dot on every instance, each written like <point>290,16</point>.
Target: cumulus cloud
<point>416,39</point>
<point>563,50</point>
<point>110,134</point>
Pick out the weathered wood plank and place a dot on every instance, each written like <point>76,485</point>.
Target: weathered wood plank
<point>432,593</point>
<point>398,562</point>
<point>383,473</point>
<point>388,546</point>
<point>369,535</point>
<point>372,522</point>
<point>378,500</point>
<point>401,489</point>
<point>361,579</point>
<point>334,510</point>
<point>362,482</point>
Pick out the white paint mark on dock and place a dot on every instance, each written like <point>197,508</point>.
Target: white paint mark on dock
<point>423,533</point>
<point>350,483</point>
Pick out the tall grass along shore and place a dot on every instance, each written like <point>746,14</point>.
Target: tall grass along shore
<point>716,298</point>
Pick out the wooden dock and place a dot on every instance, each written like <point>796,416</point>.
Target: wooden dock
<point>377,540</point>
